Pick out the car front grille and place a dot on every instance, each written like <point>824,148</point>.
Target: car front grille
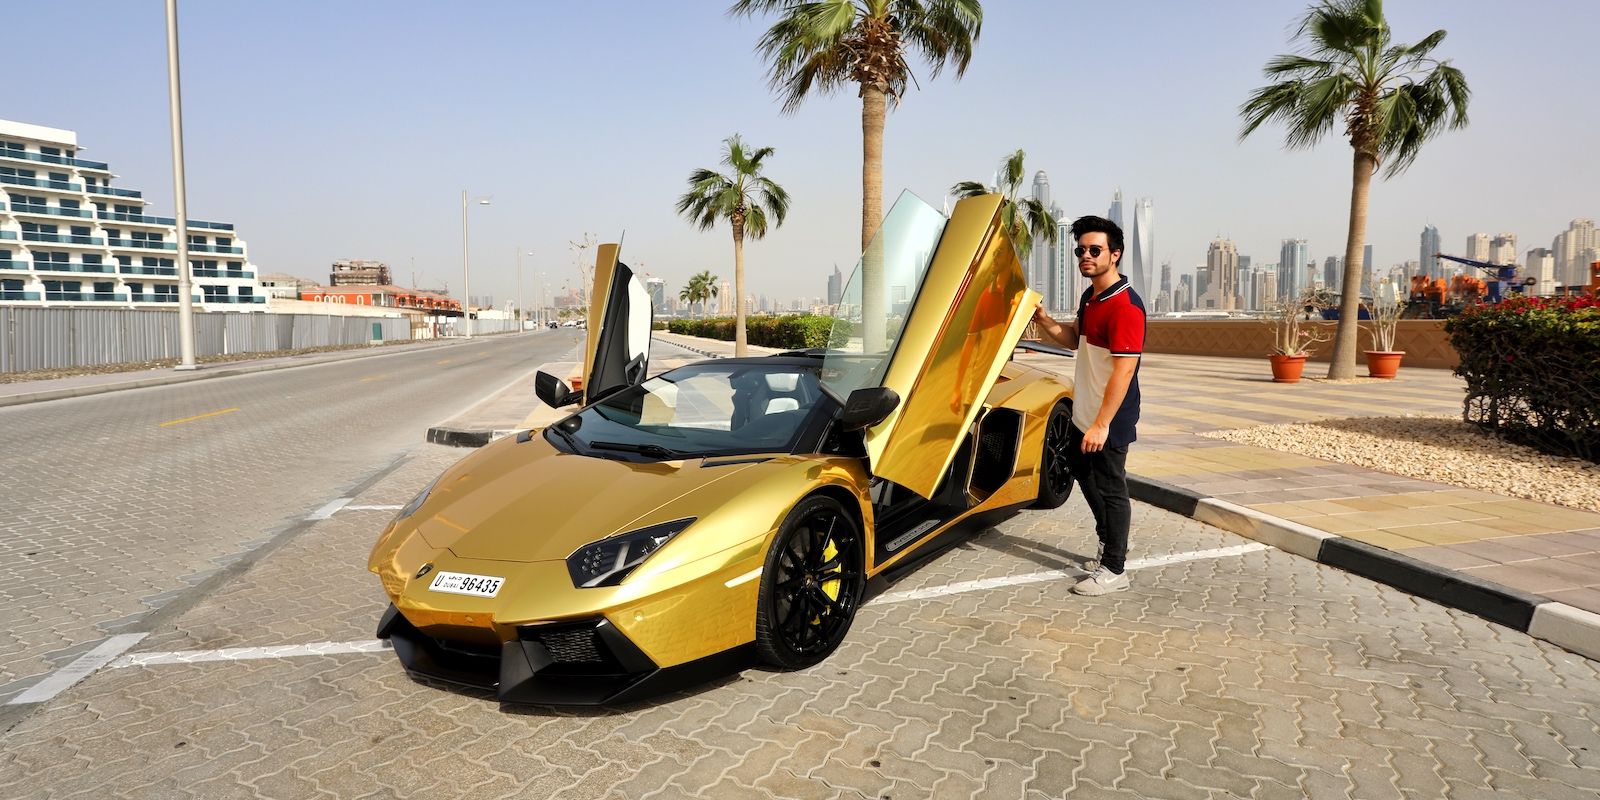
<point>572,646</point>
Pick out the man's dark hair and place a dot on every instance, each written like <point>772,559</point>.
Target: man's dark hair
<point>1112,230</point>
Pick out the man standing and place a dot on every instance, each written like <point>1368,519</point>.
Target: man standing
<point>1109,337</point>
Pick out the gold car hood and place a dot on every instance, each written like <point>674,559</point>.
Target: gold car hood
<point>528,501</point>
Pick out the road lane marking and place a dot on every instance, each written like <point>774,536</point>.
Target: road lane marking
<point>374,377</point>
<point>444,362</point>
<point>1059,574</point>
<point>371,508</point>
<point>248,653</point>
<point>197,416</point>
<point>330,509</point>
<point>63,679</point>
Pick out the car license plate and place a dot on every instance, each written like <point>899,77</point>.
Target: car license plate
<point>463,583</point>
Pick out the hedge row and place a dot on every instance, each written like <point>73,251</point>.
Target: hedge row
<point>1532,367</point>
<point>796,332</point>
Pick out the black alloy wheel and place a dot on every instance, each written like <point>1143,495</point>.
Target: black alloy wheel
<point>811,584</point>
<point>1055,468</point>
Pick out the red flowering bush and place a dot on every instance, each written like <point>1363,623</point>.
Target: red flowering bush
<point>1532,366</point>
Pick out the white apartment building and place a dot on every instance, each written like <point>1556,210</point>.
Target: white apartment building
<point>69,238</point>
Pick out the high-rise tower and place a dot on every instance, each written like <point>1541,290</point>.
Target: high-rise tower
<point>1115,212</point>
<point>1138,264</point>
<point>1429,253</point>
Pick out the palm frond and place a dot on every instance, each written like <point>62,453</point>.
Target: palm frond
<point>970,189</point>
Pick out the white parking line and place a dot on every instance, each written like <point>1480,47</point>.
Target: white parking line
<point>1059,574</point>
<point>330,509</point>
<point>373,645</point>
<point>249,653</point>
<point>62,679</point>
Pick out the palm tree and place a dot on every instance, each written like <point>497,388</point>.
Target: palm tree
<point>1033,222</point>
<point>825,44</point>
<point>746,199</point>
<point>690,294</point>
<point>1392,98</point>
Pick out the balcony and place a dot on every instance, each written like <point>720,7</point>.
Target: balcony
<point>87,297</point>
<point>70,266</point>
<point>120,216</point>
<point>158,298</point>
<point>216,248</point>
<point>113,191</point>
<point>8,234</point>
<point>44,159</point>
<point>215,226</point>
<point>11,263</point>
<point>140,269</point>
<point>200,272</point>
<point>227,298</point>
<point>144,243</point>
<point>63,186</point>
<point>6,294</point>
<point>63,238</point>
<point>30,208</point>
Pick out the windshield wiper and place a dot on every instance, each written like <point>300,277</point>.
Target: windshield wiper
<point>652,450</point>
<point>572,441</point>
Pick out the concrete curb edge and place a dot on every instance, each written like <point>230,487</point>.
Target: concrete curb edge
<point>1540,617</point>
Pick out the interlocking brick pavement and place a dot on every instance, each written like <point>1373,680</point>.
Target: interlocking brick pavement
<point>1263,675</point>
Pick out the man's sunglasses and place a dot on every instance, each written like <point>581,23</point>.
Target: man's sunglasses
<point>1093,250</point>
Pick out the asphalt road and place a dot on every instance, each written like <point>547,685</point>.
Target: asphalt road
<point>118,505</point>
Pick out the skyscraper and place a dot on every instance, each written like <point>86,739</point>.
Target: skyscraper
<point>1243,289</point>
<point>1541,266</point>
<point>1292,264</point>
<point>1430,252</point>
<point>1115,212</point>
<point>1575,249</point>
<point>1222,267</point>
<point>1141,265</point>
<point>835,286</point>
<point>1478,246</point>
<point>1183,296</point>
<point>1066,269</point>
<point>1333,273</point>
<point>1039,262</point>
<point>1366,265</point>
<point>1503,249</point>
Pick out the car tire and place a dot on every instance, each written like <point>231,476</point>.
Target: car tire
<point>811,584</point>
<point>1055,474</point>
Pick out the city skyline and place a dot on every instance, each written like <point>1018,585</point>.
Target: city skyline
<point>561,159</point>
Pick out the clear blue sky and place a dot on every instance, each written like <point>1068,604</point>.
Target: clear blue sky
<point>348,129</point>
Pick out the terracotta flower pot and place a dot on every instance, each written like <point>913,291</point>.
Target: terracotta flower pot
<point>1287,369</point>
<point>1383,363</point>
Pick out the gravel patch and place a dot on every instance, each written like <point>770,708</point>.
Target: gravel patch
<point>1440,449</point>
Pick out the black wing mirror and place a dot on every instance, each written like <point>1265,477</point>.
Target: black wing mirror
<point>867,407</point>
<point>553,391</point>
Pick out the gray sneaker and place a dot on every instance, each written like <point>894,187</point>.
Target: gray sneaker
<point>1101,581</point>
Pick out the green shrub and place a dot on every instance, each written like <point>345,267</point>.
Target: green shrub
<point>795,332</point>
<point>1532,367</point>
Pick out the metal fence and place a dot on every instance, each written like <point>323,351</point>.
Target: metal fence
<point>55,338</point>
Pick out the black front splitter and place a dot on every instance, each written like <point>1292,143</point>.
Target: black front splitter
<point>525,672</point>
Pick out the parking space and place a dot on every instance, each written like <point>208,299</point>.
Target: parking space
<point>1228,670</point>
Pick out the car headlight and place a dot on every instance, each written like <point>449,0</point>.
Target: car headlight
<point>608,561</point>
<point>416,502</point>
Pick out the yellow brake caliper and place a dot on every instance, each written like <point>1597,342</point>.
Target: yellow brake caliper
<point>830,586</point>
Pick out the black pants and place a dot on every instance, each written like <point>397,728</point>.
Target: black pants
<point>1103,478</point>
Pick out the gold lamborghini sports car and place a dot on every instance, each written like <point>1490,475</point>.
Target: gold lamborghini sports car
<point>674,526</point>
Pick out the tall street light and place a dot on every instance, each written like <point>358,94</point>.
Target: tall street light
<point>520,305</point>
<point>175,105</point>
<point>466,279</point>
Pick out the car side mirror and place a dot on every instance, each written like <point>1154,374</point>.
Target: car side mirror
<point>553,391</point>
<point>867,407</point>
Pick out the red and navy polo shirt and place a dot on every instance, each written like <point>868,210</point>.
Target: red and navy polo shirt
<point>1110,326</point>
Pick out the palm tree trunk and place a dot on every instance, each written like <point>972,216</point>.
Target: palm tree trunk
<point>739,347</point>
<point>1344,339</point>
<point>873,312</point>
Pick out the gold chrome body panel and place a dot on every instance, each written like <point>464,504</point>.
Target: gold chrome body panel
<point>969,312</point>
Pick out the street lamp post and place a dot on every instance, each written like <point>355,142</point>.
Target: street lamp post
<point>466,279</point>
<point>521,307</point>
<point>175,106</point>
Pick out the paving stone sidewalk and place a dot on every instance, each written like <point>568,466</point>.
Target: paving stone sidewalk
<point>1259,675</point>
<point>1531,565</point>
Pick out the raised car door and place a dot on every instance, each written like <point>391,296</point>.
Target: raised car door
<point>617,348</point>
<point>953,301</point>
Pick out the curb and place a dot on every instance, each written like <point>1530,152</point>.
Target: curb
<point>1540,617</point>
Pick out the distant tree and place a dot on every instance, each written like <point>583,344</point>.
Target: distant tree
<point>743,197</point>
<point>1024,218</point>
<point>822,45</point>
<point>1392,98</point>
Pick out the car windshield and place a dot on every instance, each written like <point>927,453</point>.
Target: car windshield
<point>708,409</point>
<point>875,302</point>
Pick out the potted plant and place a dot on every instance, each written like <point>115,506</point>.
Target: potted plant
<point>1383,361</point>
<point>1291,340</point>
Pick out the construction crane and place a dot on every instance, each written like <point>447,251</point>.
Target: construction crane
<point>1504,280</point>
